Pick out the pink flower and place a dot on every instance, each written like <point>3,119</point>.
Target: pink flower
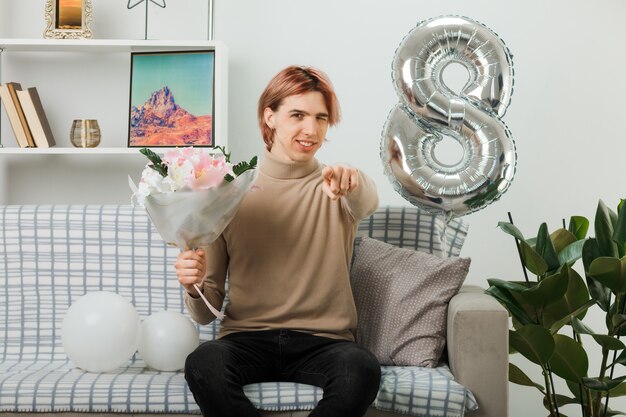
<point>194,168</point>
<point>208,171</point>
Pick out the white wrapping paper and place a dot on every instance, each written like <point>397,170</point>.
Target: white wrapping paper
<point>192,219</point>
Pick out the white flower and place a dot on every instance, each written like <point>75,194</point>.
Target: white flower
<point>152,183</point>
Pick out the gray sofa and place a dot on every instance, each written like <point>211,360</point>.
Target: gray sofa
<point>52,255</point>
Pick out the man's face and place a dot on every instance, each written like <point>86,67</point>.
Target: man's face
<point>300,124</point>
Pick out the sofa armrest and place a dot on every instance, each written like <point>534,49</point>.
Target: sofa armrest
<point>478,348</point>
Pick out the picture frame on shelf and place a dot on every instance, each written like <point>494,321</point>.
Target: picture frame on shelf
<point>68,19</point>
<point>172,99</point>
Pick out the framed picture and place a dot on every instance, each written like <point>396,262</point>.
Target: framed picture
<point>68,19</point>
<point>172,99</point>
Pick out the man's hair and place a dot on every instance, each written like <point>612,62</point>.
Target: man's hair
<point>291,81</point>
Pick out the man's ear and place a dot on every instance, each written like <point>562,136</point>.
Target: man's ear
<point>268,116</point>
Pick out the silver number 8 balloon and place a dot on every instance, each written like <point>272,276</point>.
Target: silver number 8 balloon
<point>430,110</point>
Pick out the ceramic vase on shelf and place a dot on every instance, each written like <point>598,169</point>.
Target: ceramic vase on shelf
<point>85,133</point>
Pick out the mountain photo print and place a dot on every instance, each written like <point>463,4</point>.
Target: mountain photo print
<point>171,99</point>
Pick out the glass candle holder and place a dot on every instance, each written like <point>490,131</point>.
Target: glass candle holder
<point>85,133</point>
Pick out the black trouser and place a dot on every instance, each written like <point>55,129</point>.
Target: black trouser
<point>217,371</point>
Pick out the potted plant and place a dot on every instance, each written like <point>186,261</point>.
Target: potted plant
<point>547,311</point>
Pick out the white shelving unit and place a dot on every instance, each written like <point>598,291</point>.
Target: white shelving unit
<point>15,47</point>
<point>85,79</point>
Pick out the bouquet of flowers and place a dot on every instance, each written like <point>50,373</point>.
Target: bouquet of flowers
<point>191,195</point>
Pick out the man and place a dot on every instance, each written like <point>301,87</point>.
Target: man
<point>291,314</point>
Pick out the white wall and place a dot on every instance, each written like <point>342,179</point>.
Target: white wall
<point>566,115</point>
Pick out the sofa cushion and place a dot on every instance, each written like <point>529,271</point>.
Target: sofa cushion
<point>402,296</point>
<point>57,386</point>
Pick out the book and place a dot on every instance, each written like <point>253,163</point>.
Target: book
<point>36,117</point>
<point>14,119</point>
<point>13,89</point>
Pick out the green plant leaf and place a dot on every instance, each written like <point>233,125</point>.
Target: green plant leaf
<point>575,296</point>
<point>571,253</point>
<point>604,385</point>
<point>533,261</point>
<point>598,292</point>
<point>534,342</point>
<point>609,412</point>
<point>618,321</point>
<point>515,286</point>
<point>548,291</point>
<point>561,400</point>
<point>240,168</point>
<point>578,226</point>
<point>561,238</point>
<point>510,303</point>
<point>604,226</point>
<point>568,319</point>
<point>517,376</point>
<point>611,272</point>
<point>580,327</point>
<point>575,389</point>
<point>621,359</point>
<point>511,229</point>
<point>545,248</point>
<point>606,341</point>
<point>619,233</point>
<point>222,149</point>
<point>157,162</point>
<point>569,360</point>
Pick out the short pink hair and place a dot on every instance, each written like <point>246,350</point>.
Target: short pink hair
<point>292,81</point>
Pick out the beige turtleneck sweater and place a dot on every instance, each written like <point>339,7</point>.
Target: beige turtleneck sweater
<point>287,253</point>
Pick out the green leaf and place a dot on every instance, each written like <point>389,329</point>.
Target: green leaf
<point>561,400</point>
<point>606,341</point>
<point>576,390</point>
<point>578,226</point>
<point>157,162</point>
<point>575,296</point>
<point>533,261</point>
<point>604,227</point>
<point>611,272</point>
<point>569,360</point>
<point>561,238</point>
<point>604,384</point>
<point>598,292</point>
<point>534,342</point>
<point>618,321</point>
<point>609,412</point>
<point>572,252</point>
<point>517,376</point>
<point>621,359</point>
<point>580,327</point>
<point>240,168</point>
<point>548,291</point>
<point>545,248</point>
<point>619,234</point>
<point>568,319</point>
<point>511,229</point>
<point>510,303</point>
<point>222,149</point>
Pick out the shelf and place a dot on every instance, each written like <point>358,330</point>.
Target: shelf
<point>77,151</point>
<point>102,45</point>
<point>44,49</point>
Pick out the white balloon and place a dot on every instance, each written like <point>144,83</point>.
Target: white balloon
<point>167,338</point>
<point>100,331</point>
